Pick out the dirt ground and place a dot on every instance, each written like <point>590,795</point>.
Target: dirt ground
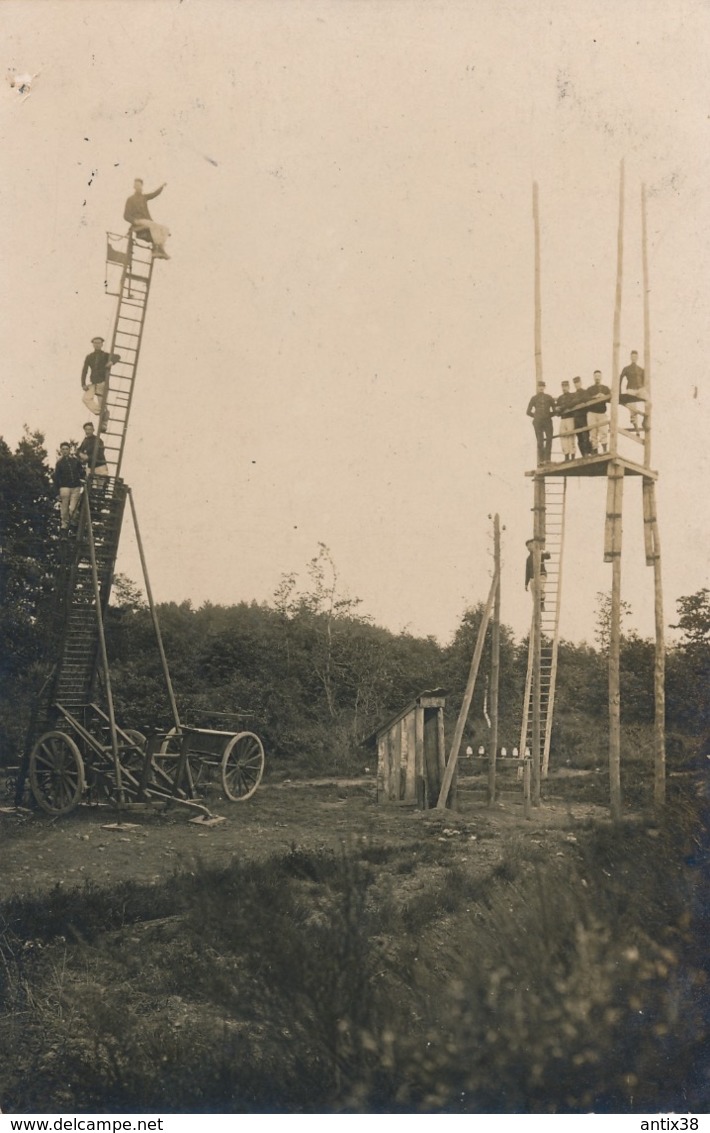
<point>97,844</point>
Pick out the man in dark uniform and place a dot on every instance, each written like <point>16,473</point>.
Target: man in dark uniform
<point>596,414</point>
<point>530,571</point>
<point>68,480</point>
<point>92,444</point>
<point>541,408</point>
<point>98,365</point>
<point>564,407</point>
<point>580,418</point>
<point>137,214</point>
<point>635,377</point>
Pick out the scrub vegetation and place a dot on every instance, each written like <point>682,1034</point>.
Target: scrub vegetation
<point>403,968</point>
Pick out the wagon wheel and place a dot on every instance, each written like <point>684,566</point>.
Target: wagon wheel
<point>168,747</point>
<point>56,773</point>
<point>242,766</point>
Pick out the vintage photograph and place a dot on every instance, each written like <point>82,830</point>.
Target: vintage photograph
<point>354,567</point>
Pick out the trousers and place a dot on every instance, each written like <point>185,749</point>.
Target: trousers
<point>68,503</point>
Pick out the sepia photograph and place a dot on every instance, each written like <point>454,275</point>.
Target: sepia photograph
<point>354,559</point>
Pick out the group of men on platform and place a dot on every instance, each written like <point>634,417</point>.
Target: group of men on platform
<point>582,412</point>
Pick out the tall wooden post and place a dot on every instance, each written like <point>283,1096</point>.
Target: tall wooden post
<point>647,419</point>
<point>651,521</point>
<point>615,380</point>
<point>613,534</point>
<point>538,300</point>
<point>495,665</point>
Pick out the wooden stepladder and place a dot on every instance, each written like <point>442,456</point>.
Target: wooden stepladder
<point>550,497</point>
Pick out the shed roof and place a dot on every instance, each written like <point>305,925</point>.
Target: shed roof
<point>436,695</point>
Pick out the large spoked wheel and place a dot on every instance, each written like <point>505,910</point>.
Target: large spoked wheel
<point>170,754</point>
<point>56,773</point>
<point>242,766</point>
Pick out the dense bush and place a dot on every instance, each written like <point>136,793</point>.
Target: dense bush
<point>316,982</point>
<point>309,671</point>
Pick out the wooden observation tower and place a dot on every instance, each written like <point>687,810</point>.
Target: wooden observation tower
<point>627,455</point>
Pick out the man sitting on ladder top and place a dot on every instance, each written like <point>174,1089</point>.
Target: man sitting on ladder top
<point>635,376</point>
<point>137,214</point>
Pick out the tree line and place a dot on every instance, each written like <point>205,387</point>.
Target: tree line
<point>309,670</point>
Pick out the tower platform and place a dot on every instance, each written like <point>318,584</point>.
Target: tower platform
<point>596,465</point>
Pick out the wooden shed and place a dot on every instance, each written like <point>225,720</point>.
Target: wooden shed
<point>411,755</point>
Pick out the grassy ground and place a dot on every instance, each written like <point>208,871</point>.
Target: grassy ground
<point>374,978</point>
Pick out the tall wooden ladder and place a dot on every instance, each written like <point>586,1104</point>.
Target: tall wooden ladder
<point>134,288</point>
<point>554,527</point>
<point>88,579</point>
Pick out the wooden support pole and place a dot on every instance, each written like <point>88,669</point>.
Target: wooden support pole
<point>616,344</point>
<point>613,531</point>
<point>103,653</point>
<point>495,665</point>
<point>651,521</point>
<point>615,472</point>
<point>647,420</point>
<point>468,697</point>
<point>659,674</point>
<point>154,616</point>
<point>538,299</point>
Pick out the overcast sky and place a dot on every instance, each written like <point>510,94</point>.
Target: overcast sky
<point>341,348</point>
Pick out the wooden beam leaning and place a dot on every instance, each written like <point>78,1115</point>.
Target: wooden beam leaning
<point>89,530</point>
<point>468,697</point>
<point>154,616</point>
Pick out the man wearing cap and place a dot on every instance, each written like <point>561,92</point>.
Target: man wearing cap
<point>596,415</point>
<point>68,480</point>
<point>530,571</point>
<point>580,418</point>
<point>541,408</point>
<point>564,407</point>
<point>137,214</point>
<point>635,377</point>
<point>98,365</point>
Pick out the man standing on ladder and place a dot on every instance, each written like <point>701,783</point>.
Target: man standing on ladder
<point>530,571</point>
<point>137,214</point>
<point>98,364</point>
